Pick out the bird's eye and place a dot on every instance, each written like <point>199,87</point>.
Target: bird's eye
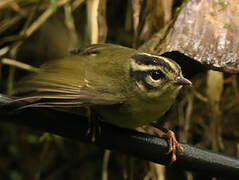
<point>156,75</point>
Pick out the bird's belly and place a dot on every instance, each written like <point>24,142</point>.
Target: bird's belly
<point>132,116</point>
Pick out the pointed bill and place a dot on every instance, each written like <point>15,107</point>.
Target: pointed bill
<point>182,81</point>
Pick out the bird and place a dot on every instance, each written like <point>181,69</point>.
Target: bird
<point>124,86</point>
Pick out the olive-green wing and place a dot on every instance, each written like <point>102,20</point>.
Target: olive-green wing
<point>55,94</point>
<point>92,75</point>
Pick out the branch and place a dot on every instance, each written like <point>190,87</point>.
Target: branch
<point>141,145</point>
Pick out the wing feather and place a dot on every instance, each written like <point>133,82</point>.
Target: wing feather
<point>42,94</point>
<point>86,78</point>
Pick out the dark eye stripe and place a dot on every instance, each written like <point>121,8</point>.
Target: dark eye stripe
<point>140,76</point>
<point>151,60</point>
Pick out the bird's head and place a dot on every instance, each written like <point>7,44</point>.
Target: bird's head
<point>155,75</point>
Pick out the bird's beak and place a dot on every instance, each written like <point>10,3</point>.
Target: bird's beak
<point>182,81</point>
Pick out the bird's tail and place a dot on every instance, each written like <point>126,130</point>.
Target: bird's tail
<point>4,99</point>
<point>8,104</point>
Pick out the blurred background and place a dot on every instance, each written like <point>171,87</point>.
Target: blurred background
<point>36,31</point>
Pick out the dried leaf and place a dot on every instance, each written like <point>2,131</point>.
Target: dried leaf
<point>157,14</point>
<point>92,6</point>
<point>150,16</point>
<point>207,31</point>
<point>96,14</point>
<point>214,93</point>
<point>102,21</point>
<point>136,7</point>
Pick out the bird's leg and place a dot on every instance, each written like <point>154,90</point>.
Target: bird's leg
<point>94,126</point>
<point>171,139</point>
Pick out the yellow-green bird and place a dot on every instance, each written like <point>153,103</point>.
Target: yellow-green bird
<point>126,87</point>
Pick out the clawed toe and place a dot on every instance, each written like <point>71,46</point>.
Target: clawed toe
<point>173,144</point>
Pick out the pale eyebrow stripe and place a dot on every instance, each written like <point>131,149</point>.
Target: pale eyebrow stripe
<point>141,67</point>
<point>154,60</point>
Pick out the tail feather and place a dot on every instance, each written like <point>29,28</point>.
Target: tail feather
<point>5,99</point>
